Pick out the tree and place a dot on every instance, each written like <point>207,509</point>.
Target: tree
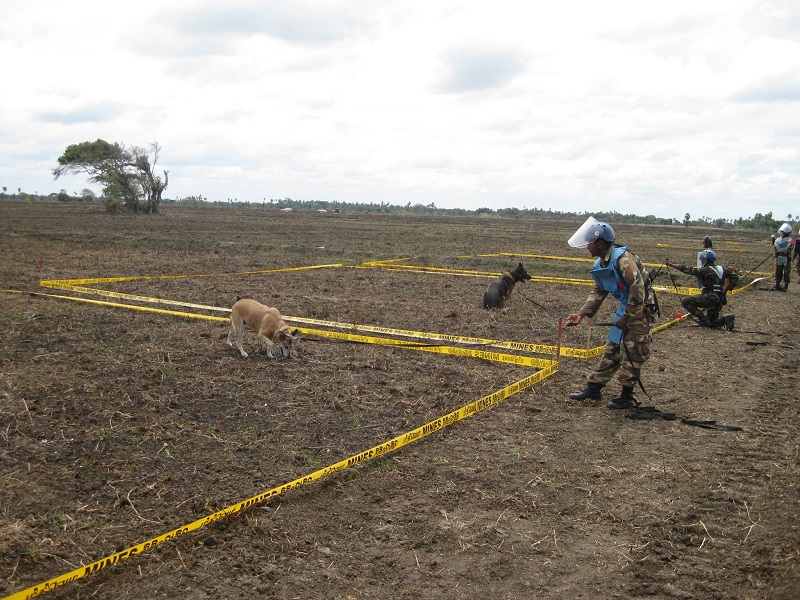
<point>126,174</point>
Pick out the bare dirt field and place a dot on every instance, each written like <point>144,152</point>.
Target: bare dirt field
<point>119,424</point>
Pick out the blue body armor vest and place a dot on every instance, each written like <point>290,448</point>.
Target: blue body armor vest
<point>610,279</point>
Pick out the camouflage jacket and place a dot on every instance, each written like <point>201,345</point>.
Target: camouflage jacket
<point>710,280</point>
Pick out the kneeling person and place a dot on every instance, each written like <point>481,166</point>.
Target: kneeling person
<point>716,281</point>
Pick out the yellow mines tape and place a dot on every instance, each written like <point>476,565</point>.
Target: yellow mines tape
<point>94,280</point>
<point>456,339</point>
<point>379,263</point>
<point>514,359</point>
<point>379,450</point>
<point>543,256</point>
<point>436,337</point>
<point>549,367</point>
<point>132,297</point>
<point>497,357</point>
<point>534,278</point>
<point>699,249</point>
<point>436,270</point>
<point>160,311</point>
<point>582,352</point>
<point>76,285</point>
<point>466,273</point>
<point>553,257</point>
<point>516,346</point>
<point>453,351</point>
<point>691,291</point>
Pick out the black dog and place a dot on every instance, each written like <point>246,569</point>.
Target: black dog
<point>499,292</point>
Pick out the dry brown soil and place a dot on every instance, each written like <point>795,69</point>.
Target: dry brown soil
<point>117,425</point>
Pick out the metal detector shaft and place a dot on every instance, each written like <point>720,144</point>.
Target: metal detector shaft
<point>600,324</point>
<point>750,272</point>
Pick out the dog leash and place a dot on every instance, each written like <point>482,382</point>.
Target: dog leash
<point>784,345</point>
<point>651,412</point>
<point>646,413</point>
<point>547,312</point>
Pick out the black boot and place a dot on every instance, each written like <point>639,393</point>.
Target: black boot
<point>729,322</point>
<point>626,399</point>
<point>592,391</point>
<point>776,288</point>
<point>785,287</point>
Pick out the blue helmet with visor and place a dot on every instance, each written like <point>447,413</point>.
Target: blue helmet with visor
<point>600,231</point>
<point>591,231</point>
<point>707,256</point>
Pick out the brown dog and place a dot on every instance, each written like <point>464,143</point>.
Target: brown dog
<point>266,321</point>
<point>499,292</point>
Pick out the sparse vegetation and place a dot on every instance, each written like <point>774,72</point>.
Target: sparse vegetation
<point>117,425</point>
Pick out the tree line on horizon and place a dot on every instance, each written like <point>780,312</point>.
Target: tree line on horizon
<point>758,222</point>
<point>129,183</point>
<point>127,174</point>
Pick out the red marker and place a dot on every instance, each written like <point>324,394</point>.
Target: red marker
<point>678,315</point>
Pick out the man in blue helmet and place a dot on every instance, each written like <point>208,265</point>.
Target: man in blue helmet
<point>620,273</point>
<point>716,281</point>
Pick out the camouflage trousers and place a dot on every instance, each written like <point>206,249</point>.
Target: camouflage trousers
<point>710,302</point>
<point>782,273</point>
<point>625,359</point>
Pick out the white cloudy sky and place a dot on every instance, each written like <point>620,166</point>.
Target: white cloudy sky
<point>641,107</point>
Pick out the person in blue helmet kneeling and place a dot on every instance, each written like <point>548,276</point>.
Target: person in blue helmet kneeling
<point>617,272</point>
<point>716,281</point>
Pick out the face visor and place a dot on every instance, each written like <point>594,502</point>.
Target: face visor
<point>584,234</point>
<point>706,256</point>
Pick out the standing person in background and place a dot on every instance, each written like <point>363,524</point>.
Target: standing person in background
<point>783,258</point>
<point>620,273</point>
<point>707,242</point>
<point>796,256</point>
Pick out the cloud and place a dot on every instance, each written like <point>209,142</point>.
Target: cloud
<point>92,113</point>
<point>783,88</point>
<point>665,154</point>
<point>479,69</point>
<point>315,23</point>
<point>459,102</point>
